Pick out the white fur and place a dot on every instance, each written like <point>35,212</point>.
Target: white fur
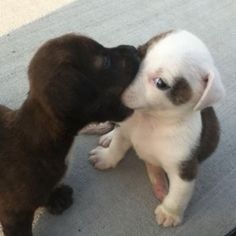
<point>179,54</point>
<point>162,133</point>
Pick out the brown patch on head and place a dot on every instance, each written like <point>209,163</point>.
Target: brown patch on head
<point>142,50</point>
<point>188,169</point>
<point>180,93</point>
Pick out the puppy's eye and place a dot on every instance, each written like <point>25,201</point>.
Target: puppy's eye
<point>161,84</point>
<point>106,62</point>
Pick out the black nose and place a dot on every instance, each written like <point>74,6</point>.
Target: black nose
<point>128,48</point>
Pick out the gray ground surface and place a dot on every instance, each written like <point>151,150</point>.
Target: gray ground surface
<point>120,202</point>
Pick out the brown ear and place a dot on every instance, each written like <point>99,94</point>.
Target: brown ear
<point>213,91</point>
<point>142,49</point>
<point>70,92</point>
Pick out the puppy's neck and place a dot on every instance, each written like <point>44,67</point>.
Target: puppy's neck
<point>167,117</point>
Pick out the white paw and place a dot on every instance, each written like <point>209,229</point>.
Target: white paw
<point>105,139</point>
<point>99,157</point>
<point>166,218</point>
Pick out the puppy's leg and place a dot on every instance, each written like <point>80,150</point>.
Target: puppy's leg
<point>105,139</point>
<point>104,158</point>
<point>17,223</point>
<point>170,211</point>
<point>159,181</point>
<point>97,128</point>
<point>60,199</point>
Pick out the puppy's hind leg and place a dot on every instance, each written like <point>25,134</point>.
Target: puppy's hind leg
<point>16,223</point>
<point>159,181</point>
<point>104,158</point>
<point>60,199</point>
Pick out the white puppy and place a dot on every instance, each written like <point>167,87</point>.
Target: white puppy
<point>173,127</point>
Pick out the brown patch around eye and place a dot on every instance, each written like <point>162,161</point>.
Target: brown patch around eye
<point>180,93</point>
<point>142,50</point>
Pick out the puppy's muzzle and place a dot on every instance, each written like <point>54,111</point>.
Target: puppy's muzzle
<point>128,48</point>
<point>130,52</point>
<point>131,59</point>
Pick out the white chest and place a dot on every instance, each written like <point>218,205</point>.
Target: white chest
<point>160,143</point>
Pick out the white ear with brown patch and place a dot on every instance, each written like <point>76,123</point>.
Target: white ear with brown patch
<point>213,91</point>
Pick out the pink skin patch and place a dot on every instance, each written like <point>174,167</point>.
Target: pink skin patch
<point>154,76</point>
<point>152,80</point>
<point>159,181</point>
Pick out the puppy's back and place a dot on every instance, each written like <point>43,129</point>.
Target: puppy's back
<point>4,111</point>
<point>6,115</point>
<point>210,134</point>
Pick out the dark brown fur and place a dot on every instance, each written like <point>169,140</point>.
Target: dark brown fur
<point>209,140</point>
<point>67,91</point>
<point>210,135</point>
<point>188,169</point>
<point>180,93</point>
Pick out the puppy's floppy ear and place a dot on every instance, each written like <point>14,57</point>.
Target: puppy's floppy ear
<point>70,92</point>
<point>213,91</point>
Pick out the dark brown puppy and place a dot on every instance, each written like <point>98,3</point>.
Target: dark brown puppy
<point>73,81</point>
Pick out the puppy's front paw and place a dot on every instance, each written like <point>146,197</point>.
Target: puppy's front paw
<point>100,159</point>
<point>166,217</point>
<point>60,199</point>
<point>105,139</point>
